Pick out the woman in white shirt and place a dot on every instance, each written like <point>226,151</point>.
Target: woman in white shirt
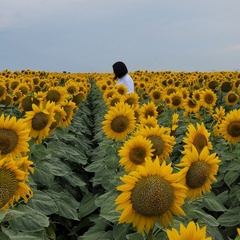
<point>121,73</point>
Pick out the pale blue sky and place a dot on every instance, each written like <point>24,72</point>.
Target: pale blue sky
<point>90,35</point>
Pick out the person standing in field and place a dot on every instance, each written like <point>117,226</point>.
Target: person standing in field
<point>121,73</point>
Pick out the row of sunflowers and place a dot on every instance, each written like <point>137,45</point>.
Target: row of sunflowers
<point>82,159</point>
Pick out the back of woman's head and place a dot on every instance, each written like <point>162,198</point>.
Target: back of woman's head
<point>119,69</point>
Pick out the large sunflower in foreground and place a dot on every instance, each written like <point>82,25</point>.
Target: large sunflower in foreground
<point>39,120</point>
<point>134,153</point>
<point>198,137</point>
<point>150,194</point>
<point>191,232</point>
<point>198,171</point>
<point>14,136</point>
<point>119,121</point>
<point>230,127</point>
<point>12,182</point>
<point>162,142</point>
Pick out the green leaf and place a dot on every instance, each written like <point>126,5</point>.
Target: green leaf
<point>211,202</point>
<point>42,203</point>
<point>30,221</point>
<point>135,236</point>
<point>231,176</point>
<point>87,205</point>
<point>15,235</point>
<point>230,218</point>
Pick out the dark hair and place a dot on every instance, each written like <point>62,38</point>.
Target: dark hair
<point>119,69</point>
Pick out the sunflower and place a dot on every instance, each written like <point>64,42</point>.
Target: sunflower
<point>72,87</point>
<point>226,86</point>
<point>150,194</point>
<point>69,107</point>
<point>176,100</point>
<point>116,98</point>
<point>148,109</point>
<point>39,120</point>
<point>12,182</point>
<point>218,117</point>
<point>109,93</point>
<point>190,105</point>
<point>25,103</point>
<point>56,94</point>
<point>147,122</point>
<point>156,95</point>
<point>121,89</point>
<point>231,98</point>
<point>119,121</point>
<point>162,142</point>
<point>24,88</point>
<point>14,136</point>
<point>198,172</point>
<point>208,98</point>
<point>197,137</point>
<point>59,115</point>
<point>3,91</point>
<point>134,152</point>
<point>191,232</point>
<point>78,98</point>
<point>174,124</point>
<point>132,99</point>
<point>230,126</point>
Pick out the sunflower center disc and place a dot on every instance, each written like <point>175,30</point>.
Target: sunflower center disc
<point>8,140</point>
<point>158,145</point>
<point>234,129</point>
<point>119,124</point>
<point>39,121</point>
<point>152,196</point>
<point>197,174</point>
<point>8,186</point>
<point>137,155</point>
<point>200,142</point>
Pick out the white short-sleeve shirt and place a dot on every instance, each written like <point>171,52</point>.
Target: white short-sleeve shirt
<point>127,81</point>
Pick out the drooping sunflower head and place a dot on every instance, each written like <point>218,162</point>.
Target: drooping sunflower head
<point>230,127</point>
<point>134,152</point>
<point>119,121</point>
<point>191,232</point>
<point>12,182</point>
<point>14,136</point>
<point>198,171</point>
<point>149,194</point>
<point>69,107</point>
<point>198,137</point>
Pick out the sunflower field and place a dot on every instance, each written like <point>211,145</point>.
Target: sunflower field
<point>83,160</point>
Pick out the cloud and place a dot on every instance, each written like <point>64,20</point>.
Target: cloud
<point>233,48</point>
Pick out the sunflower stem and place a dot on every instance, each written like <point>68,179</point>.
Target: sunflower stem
<point>150,235</point>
